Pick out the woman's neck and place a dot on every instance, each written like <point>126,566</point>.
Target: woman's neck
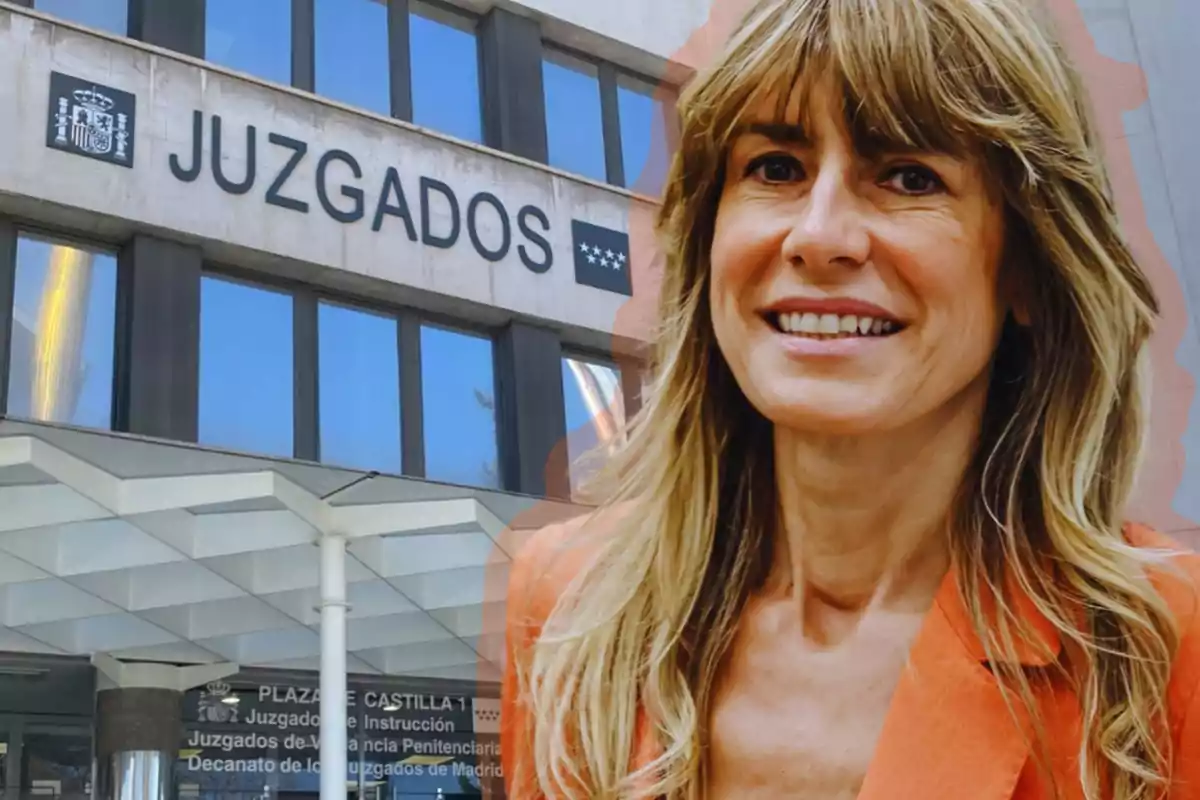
<point>863,519</point>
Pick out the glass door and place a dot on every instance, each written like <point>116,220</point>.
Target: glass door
<point>40,760</point>
<point>56,762</point>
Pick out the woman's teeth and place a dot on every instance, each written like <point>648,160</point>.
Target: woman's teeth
<point>826,325</point>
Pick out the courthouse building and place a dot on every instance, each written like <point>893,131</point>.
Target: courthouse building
<point>302,304</point>
<point>297,291</point>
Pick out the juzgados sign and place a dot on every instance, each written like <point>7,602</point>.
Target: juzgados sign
<point>381,197</point>
<point>99,122</point>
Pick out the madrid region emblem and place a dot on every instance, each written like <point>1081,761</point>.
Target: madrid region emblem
<point>91,120</point>
<point>214,705</point>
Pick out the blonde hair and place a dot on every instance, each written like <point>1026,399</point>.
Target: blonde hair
<point>649,620</point>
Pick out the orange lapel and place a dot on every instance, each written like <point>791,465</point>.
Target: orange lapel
<point>949,732</point>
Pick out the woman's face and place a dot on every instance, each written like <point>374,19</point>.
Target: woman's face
<point>853,292</point>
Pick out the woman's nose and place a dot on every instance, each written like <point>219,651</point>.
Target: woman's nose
<point>830,226</point>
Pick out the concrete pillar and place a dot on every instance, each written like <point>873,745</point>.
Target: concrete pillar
<point>532,417</point>
<point>175,24</point>
<point>137,741</point>
<point>158,352</point>
<point>139,725</point>
<point>514,105</point>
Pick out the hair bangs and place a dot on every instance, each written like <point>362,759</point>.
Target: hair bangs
<point>918,78</point>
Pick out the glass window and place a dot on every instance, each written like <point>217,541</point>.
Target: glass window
<point>246,374</point>
<point>574,129</point>
<point>255,38</point>
<point>63,333</point>
<point>595,412</point>
<point>643,134</point>
<point>459,408</point>
<point>105,15</point>
<point>351,48</point>
<point>359,372</point>
<point>444,59</point>
<point>56,763</point>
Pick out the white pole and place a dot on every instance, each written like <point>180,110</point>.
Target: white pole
<point>333,668</point>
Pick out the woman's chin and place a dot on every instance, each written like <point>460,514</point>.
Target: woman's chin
<point>839,413</point>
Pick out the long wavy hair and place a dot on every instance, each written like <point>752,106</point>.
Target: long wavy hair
<point>647,623</point>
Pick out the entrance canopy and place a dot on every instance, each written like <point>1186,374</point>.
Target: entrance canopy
<point>169,552</point>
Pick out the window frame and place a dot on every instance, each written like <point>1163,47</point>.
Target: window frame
<point>446,13</point>
<point>630,366</point>
<point>12,229</point>
<point>129,9</point>
<point>306,414</point>
<point>610,75</point>
<point>301,56</point>
<point>663,87</point>
<point>309,336</point>
<point>304,51</point>
<point>610,361</point>
<point>263,281</point>
<point>613,168</point>
<point>482,332</point>
<point>452,16</point>
<point>399,47</point>
<point>623,365</point>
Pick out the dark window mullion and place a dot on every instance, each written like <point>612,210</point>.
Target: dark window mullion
<point>481,79</point>
<point>306,436</point>
<point>630,369</point>
<point>610,114</point>
<point>412,401</point>
<point>123,344</point>
<point>504,386</point>
<point>304,45</point>
<point>8,276</point>
<point>400,59</point>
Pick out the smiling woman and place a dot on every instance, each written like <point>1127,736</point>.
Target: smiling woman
<point>818,234</point>
<point>867,538</point>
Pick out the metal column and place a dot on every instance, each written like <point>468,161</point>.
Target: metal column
<point>333,668</point>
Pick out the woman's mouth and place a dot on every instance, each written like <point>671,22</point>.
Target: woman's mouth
<point>832,326</point>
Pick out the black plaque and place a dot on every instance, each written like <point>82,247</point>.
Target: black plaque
<point>91,120</point>
<point>601,257</point>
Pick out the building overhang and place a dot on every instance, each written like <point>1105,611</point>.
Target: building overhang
<point>166,552</point>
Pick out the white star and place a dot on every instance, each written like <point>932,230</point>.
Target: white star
<point>621,258</point>
<point>610,254</point>
<point>583,248</point>
<point>591,259</point>
<point>604,262</point>
<point>596,250</point>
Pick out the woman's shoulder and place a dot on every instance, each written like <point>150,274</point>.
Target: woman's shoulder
<point>1178,582</point>
<point>1178,577</point>
<point>551,557</point>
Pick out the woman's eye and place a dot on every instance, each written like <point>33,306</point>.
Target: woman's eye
<point>914,179</point>
<point>775,168</point>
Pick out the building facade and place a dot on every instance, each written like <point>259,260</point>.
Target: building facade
<point>306,306</point>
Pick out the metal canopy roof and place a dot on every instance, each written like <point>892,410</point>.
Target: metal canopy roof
<point>169,552</point>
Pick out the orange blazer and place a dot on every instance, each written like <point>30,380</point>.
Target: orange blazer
<point>948,734</point>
